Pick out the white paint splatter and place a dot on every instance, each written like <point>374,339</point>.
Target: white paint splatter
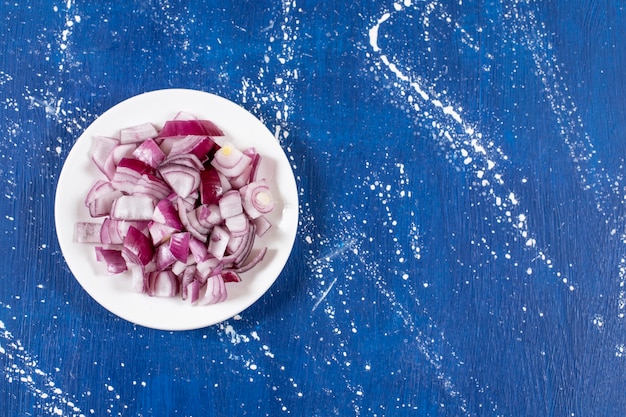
<point>5,78</point>
<point>592,176</point>
<point>434,348</point>
<point>324,294</point>
<point>459,136</point>
<point>21,367</point>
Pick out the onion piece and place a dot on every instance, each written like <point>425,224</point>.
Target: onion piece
<point>100,153</point>
<point>208,215</point>
<point>215,291</point>
<point>243,252</point>
<point>187,159</point>
<point>162,284</point>
<point>231,276</point>
<point>88,232</point>
<point>188,276</point>
<point>193,291</point>
<point>164,257</point>
<point>160,233</point>
<point>116,264</point>
<point>262,225</point>
<point>166,213</point>
<point>230,204</point>
<point>137,247</point>
<point>236,244</point>
<point>139,278</point>
<point>179,267</point>
<point>133,167</point>
<point>253,262</point>
<point>152,186</point>
<point>179,245</point>
<point>188,202</point>
<point>218,240</point>
<point>206,268</point>
<point>257,198</point>
<point>166,143</point>
<point>226,185</point>
<point>114,231</point>
<point>195,224</point>
<point>199,146</point>
<point>108,234</point>
<point>183,115</point>
<point>204,149</point>
<point>138,133</point>
<point>179,127</point>
<point>121,151</point>
<point>230,161</point>
<point>211,189</point>
<point>128,172</point>
<point>249,173</point>
<point>99,188</point>
<point>132,207</point>
<point>183,214</point>
<point>100,198</point>
<point>198,249</point>
<point>149,153</point>
<point>256,161</point>
<point>183,179</point>
<point>238,225</point>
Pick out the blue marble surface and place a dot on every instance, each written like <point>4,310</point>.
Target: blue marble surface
<point>462,243</point>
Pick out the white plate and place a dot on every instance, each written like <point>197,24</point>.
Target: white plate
<point>114,292</point>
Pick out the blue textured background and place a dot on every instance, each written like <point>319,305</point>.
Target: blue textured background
<point>462,245</point>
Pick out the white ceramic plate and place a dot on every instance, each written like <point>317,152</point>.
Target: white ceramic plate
<point>114,292</point>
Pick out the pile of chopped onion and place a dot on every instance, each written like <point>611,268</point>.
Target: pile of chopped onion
<point>180,212</point>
